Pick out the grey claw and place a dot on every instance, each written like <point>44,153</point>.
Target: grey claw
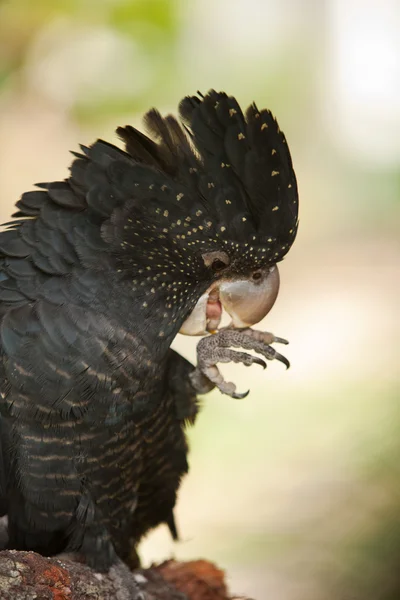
<point>239,396</point>
<point>282,359</point>
<point>218,348</point>
<point>260,362</point>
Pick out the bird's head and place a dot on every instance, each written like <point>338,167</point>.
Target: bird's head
<point>213,209</point>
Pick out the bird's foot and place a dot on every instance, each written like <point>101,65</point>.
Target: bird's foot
<point>217,349</point>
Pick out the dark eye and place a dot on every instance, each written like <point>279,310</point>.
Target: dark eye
<point>218,265</point>
<point>256,276</point>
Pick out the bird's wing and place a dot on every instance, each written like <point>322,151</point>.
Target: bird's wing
<point>60,348</point>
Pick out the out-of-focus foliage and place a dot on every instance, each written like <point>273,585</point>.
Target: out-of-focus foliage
<point>296,490</point>
<point>97,58</point>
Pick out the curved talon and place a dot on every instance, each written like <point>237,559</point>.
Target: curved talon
<point>239,396</point>
<point>259,361</point>
<point>281,341</point>
<point>282,359</point>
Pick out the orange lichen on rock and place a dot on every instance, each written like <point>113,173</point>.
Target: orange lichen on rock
<point>199,579</point>
<point>29,576</point>
<point>58,580</point>
<point>38,573</point>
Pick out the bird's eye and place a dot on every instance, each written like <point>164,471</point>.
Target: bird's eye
<point>218,265</point>
<point>257,275</point>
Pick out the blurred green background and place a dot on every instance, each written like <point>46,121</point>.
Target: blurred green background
<point>295,491</point>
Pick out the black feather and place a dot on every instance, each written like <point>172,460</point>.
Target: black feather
<point>97,274</point>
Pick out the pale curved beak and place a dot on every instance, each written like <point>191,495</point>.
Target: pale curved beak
<point>196,323</point>
<point>247,302</point>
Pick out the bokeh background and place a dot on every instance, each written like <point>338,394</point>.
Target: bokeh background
<point>295,491</point>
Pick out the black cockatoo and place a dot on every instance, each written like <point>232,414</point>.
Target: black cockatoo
<point>98,274</point>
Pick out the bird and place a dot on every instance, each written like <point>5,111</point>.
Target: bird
<point>98,274</point>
